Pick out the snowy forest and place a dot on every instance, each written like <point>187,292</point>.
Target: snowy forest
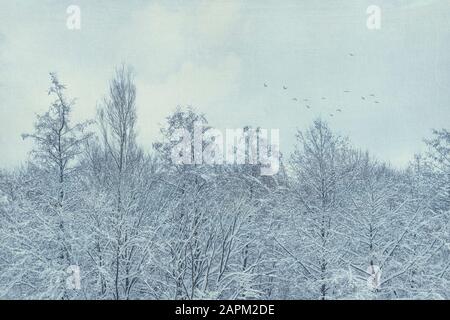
<point>333,223</point>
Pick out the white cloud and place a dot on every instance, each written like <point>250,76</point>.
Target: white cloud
<point>182,58</point>
<point>165,37</point>
<point>200,86</point>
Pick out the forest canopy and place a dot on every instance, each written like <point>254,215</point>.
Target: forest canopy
<point>332,223</point>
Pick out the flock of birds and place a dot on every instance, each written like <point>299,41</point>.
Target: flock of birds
<point>307,103</point>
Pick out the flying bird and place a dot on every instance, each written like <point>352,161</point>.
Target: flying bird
<point>372,95</point>
<point>376,101</point>
<point>295,99</point>
<point>338,110</point>
<point>323,98</point>
<point>265,85</point>
<point>346,91</point>
<point>331,115</point>
<point>364,98</point>
<point>351,54</point>
<point>284,87</point>
<point>307,106</point>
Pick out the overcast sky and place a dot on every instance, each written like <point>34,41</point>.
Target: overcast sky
<point>216,56</point>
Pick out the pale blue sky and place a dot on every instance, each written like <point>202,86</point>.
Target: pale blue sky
<point>216,55</point>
